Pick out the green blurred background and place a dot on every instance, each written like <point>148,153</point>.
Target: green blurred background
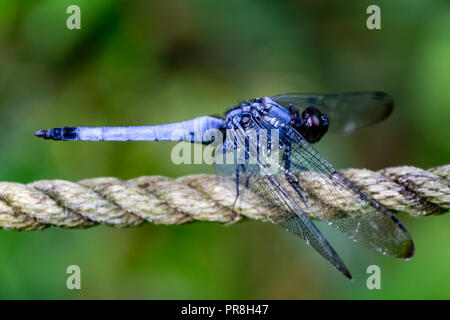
<point>150,62</point>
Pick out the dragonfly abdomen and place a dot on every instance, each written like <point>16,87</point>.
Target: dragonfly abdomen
<point>195,130</point>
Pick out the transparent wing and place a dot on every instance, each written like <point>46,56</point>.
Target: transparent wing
<point>346,111</point>
<point>324,189</point>
<point>275,193</point>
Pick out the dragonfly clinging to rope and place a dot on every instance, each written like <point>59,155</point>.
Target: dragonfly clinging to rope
<point>247,132</point>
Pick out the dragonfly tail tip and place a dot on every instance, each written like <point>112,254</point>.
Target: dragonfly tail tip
<point>41,134</point>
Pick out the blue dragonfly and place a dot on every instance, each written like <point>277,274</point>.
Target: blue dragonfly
<point>278,182</point>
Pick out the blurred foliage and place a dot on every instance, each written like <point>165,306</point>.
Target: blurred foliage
<point>149,62</point>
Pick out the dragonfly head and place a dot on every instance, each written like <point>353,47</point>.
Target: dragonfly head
<point>312,125</point>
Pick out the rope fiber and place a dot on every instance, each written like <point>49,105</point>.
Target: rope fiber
<point>161,200</point>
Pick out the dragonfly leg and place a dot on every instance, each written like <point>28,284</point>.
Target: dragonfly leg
<point>287,157</point>
<point>292,182</point>
<point>237,194</point>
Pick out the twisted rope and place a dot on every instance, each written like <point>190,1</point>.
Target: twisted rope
<point>162,200</point>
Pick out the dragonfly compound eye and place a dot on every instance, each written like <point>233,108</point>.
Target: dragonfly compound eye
<point>314,124</point>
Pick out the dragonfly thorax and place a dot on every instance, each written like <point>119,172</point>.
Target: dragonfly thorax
<point>312,124</point>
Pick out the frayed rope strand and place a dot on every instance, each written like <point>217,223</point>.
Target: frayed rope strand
<point>161,200</point>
